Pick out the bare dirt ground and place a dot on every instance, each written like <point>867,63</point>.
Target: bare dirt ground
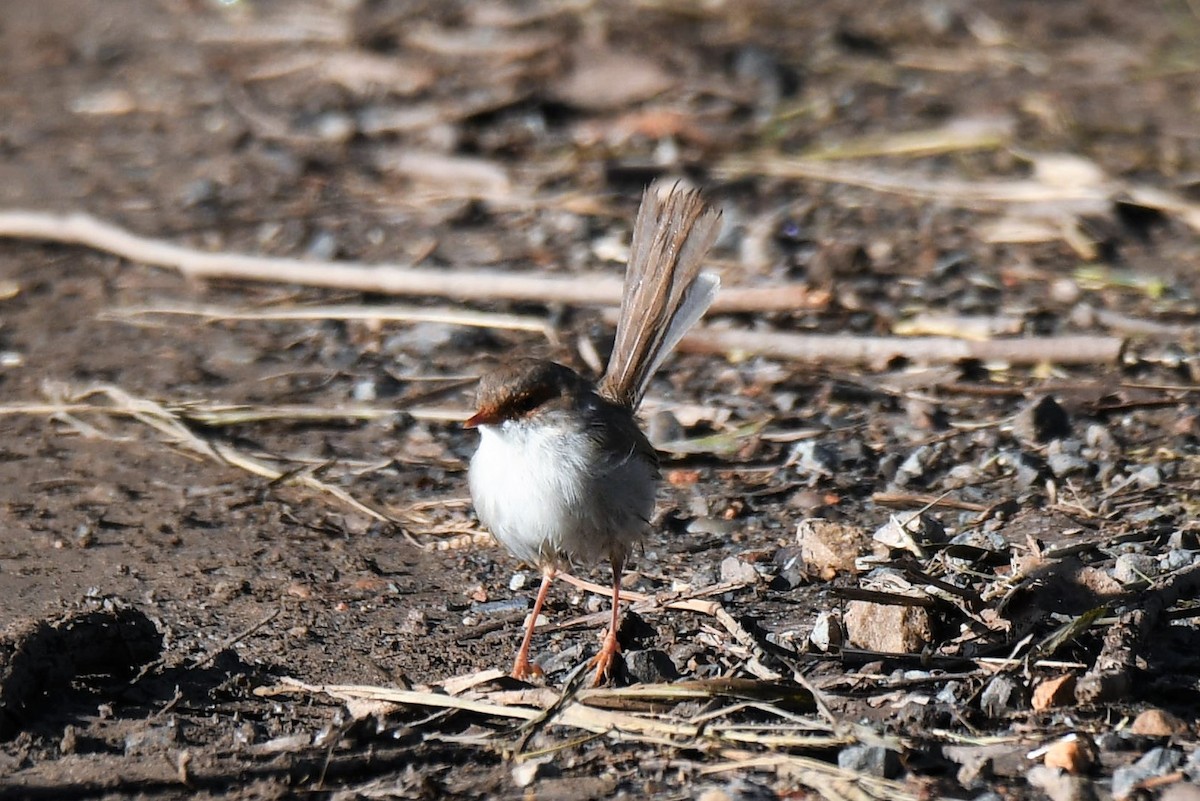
<point>187,577</point>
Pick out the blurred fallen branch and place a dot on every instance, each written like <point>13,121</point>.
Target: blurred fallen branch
<point>599,289</point>
<point>406,314</point>
<point>878,351</point>
<point>1062,186</point>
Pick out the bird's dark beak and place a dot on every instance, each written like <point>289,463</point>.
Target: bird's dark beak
<point>480,418</point>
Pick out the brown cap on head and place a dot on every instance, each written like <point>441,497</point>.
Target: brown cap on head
<point>520,387</point>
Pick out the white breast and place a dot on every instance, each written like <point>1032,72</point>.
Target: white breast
<point>547,494</point>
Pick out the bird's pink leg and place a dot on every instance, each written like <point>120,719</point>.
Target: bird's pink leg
<point>522,668</point>
<point>609,649</point>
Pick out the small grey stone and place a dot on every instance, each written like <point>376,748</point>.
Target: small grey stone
<point>918,463</point>
<point>1155,762</point>
<point>365,390</point>
<point>1192,766</point>
<point>826,632</point>
<point>1066,464</point>
<point>565,659</point>
<point>1100,438</point>
<point>1131,567</point>
<point>421,338</point>
<point>813,460</point>
<point>949,693</point>
<point>1148,477</point>
<point>1184,539</point>
<point>502,607</point>
<point>1177,559</point>
<point>735,571</point>
<point>151,740</point>
<point>711,525</point>
<point>323,246</point>
<point>873,760</point>
<point>961,475</point>
<point>650,666</point>
<point>997,695</point>
<point>527,772</point>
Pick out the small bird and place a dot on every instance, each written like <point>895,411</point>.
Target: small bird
<point>563,474</point>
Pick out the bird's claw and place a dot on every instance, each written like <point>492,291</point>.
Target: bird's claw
<point>605,660</point>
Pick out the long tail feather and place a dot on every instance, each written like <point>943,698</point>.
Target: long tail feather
<point>665,294</point>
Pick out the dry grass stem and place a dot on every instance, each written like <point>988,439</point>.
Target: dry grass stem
<point>1093,195</point>
<point>170,423</point>
<point>878,351</point>
<point>403,314</point>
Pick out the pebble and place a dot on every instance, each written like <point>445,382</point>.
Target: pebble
<point>365,390</point>
<point>827,632</point>
<point>907,533</point>
<point>151,740</point>
<point>501,607</point>
<point>813,460</point>
<point>997,696</point>
<point>737,571</point>
<point>829,548</point>
<point>1058,691</point>
<point>873,760</point>
<point>421,338</point>
<point>789,568</point>
<point>1072,753</point>
<point>1156,762</point>
<point>1066,464</point>
<point>1148,477</point>
<point>1158,723</point>
<point>565,659</point>
<point>1100,438</point>
<point>518,581</point>
<point>1178,559</point>
<point>950,693</point>
<point>323,246</point>
<point>916,465</point>
<point>711,525</point>
<point>887,628</point>
<point>1131,567</point>
<point>527,772</point>
<point>650,666</point>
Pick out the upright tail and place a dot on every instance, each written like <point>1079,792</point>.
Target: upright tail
<point>665,293</point>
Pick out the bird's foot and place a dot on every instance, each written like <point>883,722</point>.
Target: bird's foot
<point>605,660</point>
<point>524,670</point>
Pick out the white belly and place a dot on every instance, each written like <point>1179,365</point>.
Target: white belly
<point>551,499</point>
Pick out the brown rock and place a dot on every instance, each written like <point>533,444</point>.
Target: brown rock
<point>1054,692</point>
<point>1073,753</point>
<point>829,548</point>
<point>1158,723</point>
<point>887,628</point>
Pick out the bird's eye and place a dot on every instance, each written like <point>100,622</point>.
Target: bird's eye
<point>523,404</point>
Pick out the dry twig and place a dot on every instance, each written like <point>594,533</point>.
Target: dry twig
<point>877,351</point>
<point>599,289</point>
